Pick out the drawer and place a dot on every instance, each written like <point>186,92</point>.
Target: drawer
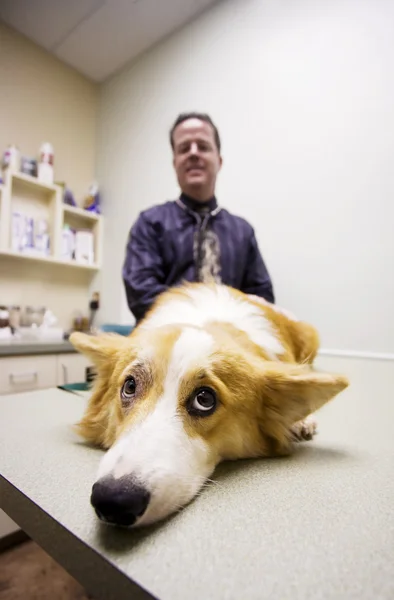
<point>71,368</point>
<point>6,525</point>
<point>25,373</point>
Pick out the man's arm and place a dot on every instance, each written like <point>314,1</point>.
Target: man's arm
<point>143,274</point>
<point>256,277</point>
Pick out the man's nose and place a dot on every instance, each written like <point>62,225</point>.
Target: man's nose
<point>193,149</point>
<point>119,501</point>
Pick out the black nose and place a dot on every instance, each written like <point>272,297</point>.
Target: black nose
<point>119,501</point>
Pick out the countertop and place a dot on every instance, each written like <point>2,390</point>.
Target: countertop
<point>317,525</point>
<point>17,348</point>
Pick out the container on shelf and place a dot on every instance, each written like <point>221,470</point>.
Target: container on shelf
<point>29,166</point>
<point>28,237</point>
<point>15,317</point>
<point>84,247</point>
<point>68,243</point>
<point>45,165</point>
<point>5,329</point>
<point>41,237</point>
<point>33,316</point>
<point>17,231</point>
<point>11,158</point>
<point>4,317</point>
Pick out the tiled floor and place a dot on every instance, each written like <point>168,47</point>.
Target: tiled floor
<point>28,573</point>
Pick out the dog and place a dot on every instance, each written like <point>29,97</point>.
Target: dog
<point>210,374</point>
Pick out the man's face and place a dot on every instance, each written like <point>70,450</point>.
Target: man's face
<point>196,158</point>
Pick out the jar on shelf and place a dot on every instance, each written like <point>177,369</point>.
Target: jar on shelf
<point>45,163</point>
<point>34,316</point>
<point>15,317</point>
<point>4,317</point>
<point>11,158</point>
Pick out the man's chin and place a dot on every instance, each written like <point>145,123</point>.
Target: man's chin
<point>197,180</point>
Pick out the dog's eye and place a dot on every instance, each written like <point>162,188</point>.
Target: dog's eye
<point>203,402</point>
<point>128,389</point>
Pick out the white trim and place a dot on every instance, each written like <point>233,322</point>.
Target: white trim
<point>357,354</point>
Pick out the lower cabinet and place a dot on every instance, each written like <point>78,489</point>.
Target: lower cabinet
<point>27,373</point>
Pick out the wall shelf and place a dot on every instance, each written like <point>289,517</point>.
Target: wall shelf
<point>47,259</point>
<point>33,182</point>
<point>80,212</point>
<point>38,200</point>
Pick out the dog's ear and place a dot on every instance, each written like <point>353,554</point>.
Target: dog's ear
<point>291,393</point>
<point>101,348</point>
<point>102,415</point>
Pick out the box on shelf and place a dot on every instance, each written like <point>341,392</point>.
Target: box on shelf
<point>68,243</point>
<point>28,235</point>
<point>84,247</point>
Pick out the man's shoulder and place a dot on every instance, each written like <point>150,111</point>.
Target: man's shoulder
<point>157,211</point>
<point>237,220</point>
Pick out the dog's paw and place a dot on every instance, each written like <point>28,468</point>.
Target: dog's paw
<point>304,430</point>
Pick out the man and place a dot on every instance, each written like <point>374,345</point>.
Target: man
<point>192,238</point>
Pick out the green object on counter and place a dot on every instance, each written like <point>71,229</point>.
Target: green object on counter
<point>76,387</point>
<point>115,328</point>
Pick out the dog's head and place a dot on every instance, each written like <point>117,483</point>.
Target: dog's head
<point>170,404</point>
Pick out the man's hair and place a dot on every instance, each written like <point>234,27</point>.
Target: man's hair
<point>195,115</point>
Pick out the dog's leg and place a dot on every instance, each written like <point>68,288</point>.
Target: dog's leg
<point>304,430</point>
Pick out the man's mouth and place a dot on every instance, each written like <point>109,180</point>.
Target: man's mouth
<point>195,169</point>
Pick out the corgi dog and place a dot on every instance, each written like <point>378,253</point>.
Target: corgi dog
<point>210,374</point>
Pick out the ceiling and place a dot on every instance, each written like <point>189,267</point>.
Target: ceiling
<point>98,37</point>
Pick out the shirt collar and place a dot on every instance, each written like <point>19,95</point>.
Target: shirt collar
<point>198,207</point>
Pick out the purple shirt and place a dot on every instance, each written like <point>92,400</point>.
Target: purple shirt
<point>160,253</point>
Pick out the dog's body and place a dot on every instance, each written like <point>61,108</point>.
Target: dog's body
<point>210,374</point>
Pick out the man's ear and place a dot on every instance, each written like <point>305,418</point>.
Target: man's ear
<point>99,348</point>
<point>291,393</point>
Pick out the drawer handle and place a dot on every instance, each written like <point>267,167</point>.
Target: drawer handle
<point>14,377</point>
<point>65,374</point>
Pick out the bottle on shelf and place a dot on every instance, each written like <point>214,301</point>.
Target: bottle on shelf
<point>45,164</point>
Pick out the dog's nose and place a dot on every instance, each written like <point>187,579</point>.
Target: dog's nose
<point>119,501</point>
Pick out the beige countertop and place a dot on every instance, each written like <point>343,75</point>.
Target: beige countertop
<point>18,348</point>
<point>318,525</point>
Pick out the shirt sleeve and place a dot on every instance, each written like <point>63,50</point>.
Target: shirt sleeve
<point>256,279</point>
<point>143,273</point>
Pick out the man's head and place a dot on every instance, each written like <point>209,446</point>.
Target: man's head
<point>195,143</point>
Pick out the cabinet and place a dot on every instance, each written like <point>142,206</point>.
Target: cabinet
<point>27,373</point>
<point>7,526</point>
<point>71,368</point>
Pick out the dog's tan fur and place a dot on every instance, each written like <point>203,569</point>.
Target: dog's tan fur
<point>275,395</point>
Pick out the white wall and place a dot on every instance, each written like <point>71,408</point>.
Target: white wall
<point>303,94</point>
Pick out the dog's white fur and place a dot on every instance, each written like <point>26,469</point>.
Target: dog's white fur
<point>157,451</point>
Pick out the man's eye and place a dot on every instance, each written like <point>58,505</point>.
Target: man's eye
<point>128,388</point>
